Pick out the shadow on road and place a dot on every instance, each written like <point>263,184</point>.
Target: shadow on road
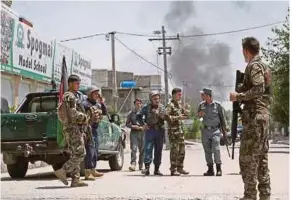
<point>283,152</point>
<point>284,147</point>
<point>165,175</point>
<point>53,187</point>
<point>43,176</point>
<point>39,177</point>
<point>232,174</point>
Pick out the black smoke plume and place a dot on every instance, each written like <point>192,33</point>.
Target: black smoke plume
<point>197,60</point>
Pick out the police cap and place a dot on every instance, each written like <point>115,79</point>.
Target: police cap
<point>207,91</point>
<point>73,78</point>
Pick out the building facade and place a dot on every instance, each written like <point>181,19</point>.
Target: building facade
<point>144,85</point>
<point>29,62</point>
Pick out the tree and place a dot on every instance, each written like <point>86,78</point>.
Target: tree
<point>277,55</point>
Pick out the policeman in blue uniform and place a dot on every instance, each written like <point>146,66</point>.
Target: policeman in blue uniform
<point>152,118</point>
<point>213,118</point>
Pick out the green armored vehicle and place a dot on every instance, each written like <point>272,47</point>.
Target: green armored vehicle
<point>33,133</point>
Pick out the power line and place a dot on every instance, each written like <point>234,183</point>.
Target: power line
<point>134,34</point>
<point>233,31</point>
<point>181,36</point>
<point>84,37</point>
<point>134,52</point>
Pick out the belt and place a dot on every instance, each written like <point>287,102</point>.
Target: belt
<point>210,127</point>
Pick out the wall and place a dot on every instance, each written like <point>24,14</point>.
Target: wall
<point>121,76</point>
<point>99,77</point>
<point>149,81</point>
<point>127,103</point>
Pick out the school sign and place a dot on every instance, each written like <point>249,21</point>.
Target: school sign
<point>27,54</point>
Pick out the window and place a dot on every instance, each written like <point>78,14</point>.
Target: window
<point>7,90</point>
<point>43,104</point>
<point>24,89</point>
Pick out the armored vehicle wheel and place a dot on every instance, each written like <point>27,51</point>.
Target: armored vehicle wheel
<point>116,162</point>
<point>17,170</point>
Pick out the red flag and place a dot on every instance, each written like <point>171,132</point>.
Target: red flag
<point>63,83</point>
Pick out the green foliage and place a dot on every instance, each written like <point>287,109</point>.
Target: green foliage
<point>12,109</point>
<point>193,132</point>
<point>277,55</point>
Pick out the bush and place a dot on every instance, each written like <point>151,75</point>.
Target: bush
<point>193,132</point>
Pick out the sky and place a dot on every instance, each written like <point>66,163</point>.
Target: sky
<point>69,19</point>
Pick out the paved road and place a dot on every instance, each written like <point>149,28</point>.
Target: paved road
<point>41,183</point>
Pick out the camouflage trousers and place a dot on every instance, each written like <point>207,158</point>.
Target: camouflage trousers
<point>75,144</point>
<point>253,157</point>
<point>177,150</point>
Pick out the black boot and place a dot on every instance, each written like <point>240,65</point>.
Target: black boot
<point>174,173</point>
<point>210,171</point>
<point>218,170</point>
<point>146,171</point>
<point>157,172</point>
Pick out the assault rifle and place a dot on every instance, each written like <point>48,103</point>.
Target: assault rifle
<point>236,110</point>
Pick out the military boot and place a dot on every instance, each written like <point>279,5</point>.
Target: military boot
<point>132,168</point>
<point>174,173</point>
<point>96,173</point>
<point>76,182</point>
<point>210,171</point>
<point>182,171</point>
<point>61,174</point>
<point>88,175</point>
<point>265,197</point>
<point>157,172</point>
<point>218,170</point>
<point>146,171</point>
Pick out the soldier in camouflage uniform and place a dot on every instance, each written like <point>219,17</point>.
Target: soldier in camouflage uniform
<point>73,129</point>
<point>152,118</point>
<point>136,136</point>
<point>174,115</point>
<point>255,95</point>
<point>93,110</point>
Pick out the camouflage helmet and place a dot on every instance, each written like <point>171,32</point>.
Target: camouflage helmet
<point>90,90</point>
<point>153,93</point>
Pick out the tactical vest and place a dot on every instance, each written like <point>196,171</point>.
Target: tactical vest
<point>266,97</point>
<point>153,119</point>
<point>267,76</point>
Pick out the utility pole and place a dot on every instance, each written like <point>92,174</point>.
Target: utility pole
<point>114,73</point>
<point>166,76</point>
<point>185,84</point>
<point>163,50</point>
